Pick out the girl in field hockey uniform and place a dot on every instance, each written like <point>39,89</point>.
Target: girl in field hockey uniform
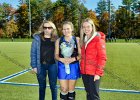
<point>42,59</point>
<point>67,52</point>
<point>93,58</point>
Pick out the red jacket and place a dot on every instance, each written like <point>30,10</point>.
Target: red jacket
<point>94,55</point>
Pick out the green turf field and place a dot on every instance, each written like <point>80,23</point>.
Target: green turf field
<point>121,72</point>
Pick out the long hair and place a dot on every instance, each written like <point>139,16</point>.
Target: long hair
<point>54,34</point>
<point>69,23</point>
<point>82,34</point>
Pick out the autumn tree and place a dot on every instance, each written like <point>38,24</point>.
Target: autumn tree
<point>6,11</point>
<point>1,31</point>
<point>11,28</point>
<point>58,18</point>
<point>22,20</point>
<point>91,14</point>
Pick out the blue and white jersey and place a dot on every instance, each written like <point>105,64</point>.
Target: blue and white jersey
<point>71,50</point>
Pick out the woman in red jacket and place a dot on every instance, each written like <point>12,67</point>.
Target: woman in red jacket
<point>93,58</point>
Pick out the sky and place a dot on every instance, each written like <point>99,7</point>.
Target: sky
<point>90,4</point>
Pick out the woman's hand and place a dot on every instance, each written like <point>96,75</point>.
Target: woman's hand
<point>34,70</point>
<point>96,77</point>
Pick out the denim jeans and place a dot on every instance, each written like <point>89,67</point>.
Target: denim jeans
<point>51,70</point>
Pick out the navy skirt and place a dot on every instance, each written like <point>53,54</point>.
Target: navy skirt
<point>74,71</point>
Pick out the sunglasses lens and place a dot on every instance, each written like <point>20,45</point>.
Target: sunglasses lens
<point>47,27</point>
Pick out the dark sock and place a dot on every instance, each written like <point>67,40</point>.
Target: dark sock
<point>63,97</point>
<point>71,96</point>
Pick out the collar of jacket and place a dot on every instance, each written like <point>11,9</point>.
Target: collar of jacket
<point>37,36</point>
<point>90,38</point>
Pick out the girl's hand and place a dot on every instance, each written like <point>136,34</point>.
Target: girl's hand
<point>67,60</point>
<point>34,70</point>
<point>96,77</point>
<point>70,60</point>
<point>64,60</point>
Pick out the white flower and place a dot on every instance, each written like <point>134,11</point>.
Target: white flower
<point>66,49</point>
<point>63,45</point>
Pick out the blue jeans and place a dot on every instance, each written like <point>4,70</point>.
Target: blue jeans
<point>51,70</point>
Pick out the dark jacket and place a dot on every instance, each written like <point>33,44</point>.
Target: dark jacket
<point>35,52</point>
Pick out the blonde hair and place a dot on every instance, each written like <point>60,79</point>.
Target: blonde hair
<point>54,34</point>
<point>82,34</point>
<point>69,23</point>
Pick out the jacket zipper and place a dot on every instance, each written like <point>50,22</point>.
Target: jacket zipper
<point>85,61</point>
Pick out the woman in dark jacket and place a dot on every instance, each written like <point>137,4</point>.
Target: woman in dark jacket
<point>42,58</point>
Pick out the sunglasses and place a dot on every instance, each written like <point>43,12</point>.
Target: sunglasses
<point>47,28</point>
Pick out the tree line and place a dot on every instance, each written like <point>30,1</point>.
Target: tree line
<point>124,22</point>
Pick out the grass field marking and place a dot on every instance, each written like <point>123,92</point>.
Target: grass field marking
<point>77,88</point>
<point>116,76</point>
<point>15,42</point>
<point>4,55</point>
<point>14,75</point>
<point>19,84</point>
<point>120,90</point>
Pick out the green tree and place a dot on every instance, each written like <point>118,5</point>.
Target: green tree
<point>76,13</point>
<point>135,18</point>
<point>37,15</point>
<point>75,5</point>
<point>72,10</point>
<point>1,12</point>
<point>5,11</point>
<point>103,15</point>
<point>47,8</point>
<point>83,11</point>
<point>131,22</point>
<point>120,28</point>
<point>83,14</point>
<point>102,7</point>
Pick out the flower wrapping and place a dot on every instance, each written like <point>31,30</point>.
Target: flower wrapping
<point>66,50</point>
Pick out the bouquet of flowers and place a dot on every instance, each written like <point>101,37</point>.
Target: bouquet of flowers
<point>66,51</point>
